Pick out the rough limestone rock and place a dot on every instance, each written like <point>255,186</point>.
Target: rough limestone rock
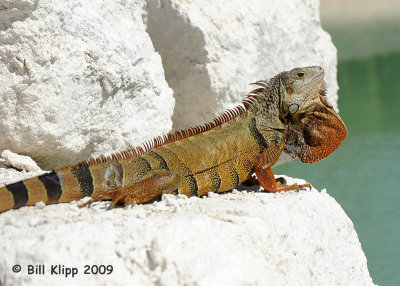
<point>78,79</point>
<point>212,50</point>
<point>15,167</point>
<point>238,238</point>
<point>19,162</point>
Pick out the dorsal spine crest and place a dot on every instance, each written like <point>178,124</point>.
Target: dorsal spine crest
<point>247,104</point>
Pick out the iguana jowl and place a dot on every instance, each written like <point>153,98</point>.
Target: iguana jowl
<point>288,113</point>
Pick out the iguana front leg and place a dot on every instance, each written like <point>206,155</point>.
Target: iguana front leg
<point>266,177</point>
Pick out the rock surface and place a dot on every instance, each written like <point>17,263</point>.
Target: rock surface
<point>15,167</point>
<point>211,51</point>
<point>238,238</point>
<point>78,79</point>
<point>19,162</point>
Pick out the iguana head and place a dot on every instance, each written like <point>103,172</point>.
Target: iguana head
<point>314,129</point>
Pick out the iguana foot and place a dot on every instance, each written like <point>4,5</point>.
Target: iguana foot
<point>120,196</point>
<point>267,180</point>
<point>294,187</point>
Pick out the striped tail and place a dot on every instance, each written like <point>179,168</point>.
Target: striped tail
<point>47,188</point>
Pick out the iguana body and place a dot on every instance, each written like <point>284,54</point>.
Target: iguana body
<point>289,113</point>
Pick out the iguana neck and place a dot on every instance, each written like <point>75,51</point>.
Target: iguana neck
<point>267,107</point>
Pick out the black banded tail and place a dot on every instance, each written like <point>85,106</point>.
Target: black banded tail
<point>46,188</point>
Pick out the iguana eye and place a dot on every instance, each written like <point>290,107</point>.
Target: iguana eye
<point>300,74</point>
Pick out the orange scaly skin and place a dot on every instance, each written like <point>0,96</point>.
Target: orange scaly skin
<point>288,113</point>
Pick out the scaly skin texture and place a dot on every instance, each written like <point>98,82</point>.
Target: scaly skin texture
<point>288,113</point>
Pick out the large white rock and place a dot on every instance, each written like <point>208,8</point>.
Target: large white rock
<point>212,50</point>
<point>19,162</point>
<point>78,79</point>
<point>238,238</point>
<point>15,167</point>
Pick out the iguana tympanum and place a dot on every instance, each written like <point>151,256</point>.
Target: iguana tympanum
<point>289,113</point>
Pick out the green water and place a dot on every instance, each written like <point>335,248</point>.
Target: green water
<point>363,175</point>
<point>364,40</point>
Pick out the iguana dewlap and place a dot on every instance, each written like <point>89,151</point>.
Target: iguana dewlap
<point>289,113</point>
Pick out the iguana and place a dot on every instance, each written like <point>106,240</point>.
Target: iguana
<point>288,113</point>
